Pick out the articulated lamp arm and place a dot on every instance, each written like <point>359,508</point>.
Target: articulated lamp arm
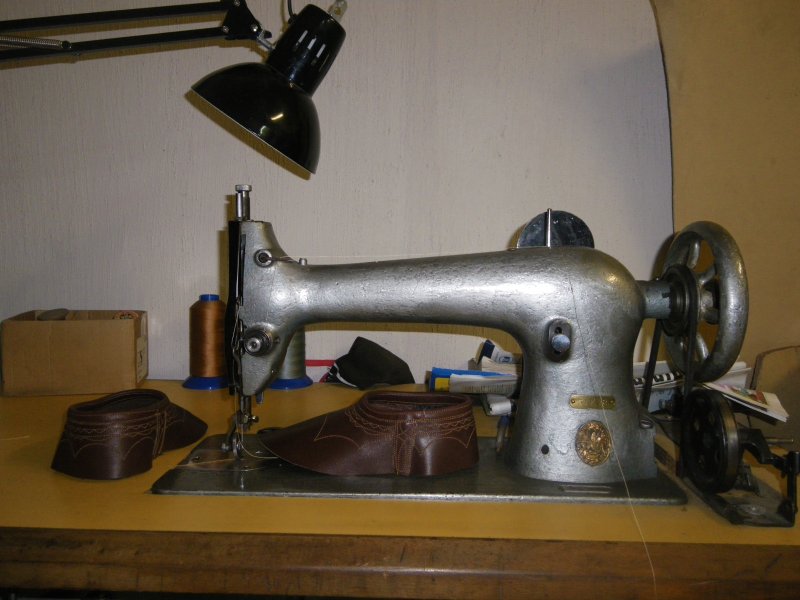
<point>238,24</point>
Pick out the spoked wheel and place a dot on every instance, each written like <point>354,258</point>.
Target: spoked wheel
<point>710,448</point>
<point>705,293</point>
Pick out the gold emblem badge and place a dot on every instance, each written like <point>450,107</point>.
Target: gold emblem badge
<point>593,443</point>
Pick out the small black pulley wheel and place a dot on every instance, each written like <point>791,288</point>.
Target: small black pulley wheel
<point>716,295</point>
<point>710,448</point>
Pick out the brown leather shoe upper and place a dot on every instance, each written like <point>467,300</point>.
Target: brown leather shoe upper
<point>118,435</point>
<point>385,432</point>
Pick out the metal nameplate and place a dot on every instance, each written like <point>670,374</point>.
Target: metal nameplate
<point>596,402</point>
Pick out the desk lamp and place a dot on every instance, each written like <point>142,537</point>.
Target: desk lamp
<point>270,100</point>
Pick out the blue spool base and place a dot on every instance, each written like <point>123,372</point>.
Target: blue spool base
<point>206,383</point>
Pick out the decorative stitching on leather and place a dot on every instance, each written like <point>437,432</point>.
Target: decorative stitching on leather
<point>81,434</point>
<point>444,427</point>
<point>318,436</point>
<point>406,429</point>
<point>406,433</point>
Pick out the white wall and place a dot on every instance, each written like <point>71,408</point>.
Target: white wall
<point>446,126</point>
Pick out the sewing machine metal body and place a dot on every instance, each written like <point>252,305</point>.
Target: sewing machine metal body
<point>579,434</point>
<point>575,312</point>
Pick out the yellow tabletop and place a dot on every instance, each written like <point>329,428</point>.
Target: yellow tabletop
<point>33,495</point>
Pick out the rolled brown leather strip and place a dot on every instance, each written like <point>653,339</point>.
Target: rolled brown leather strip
<point>118,435</point>
<point>384,433</point>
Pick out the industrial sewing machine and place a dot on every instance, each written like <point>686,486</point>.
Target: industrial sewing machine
<point>575,312</point>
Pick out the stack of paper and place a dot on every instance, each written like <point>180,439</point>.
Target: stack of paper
<point>762,402</point>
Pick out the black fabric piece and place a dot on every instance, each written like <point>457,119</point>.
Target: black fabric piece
<point>368,364</point>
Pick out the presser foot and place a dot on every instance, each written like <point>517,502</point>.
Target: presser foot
<point>224,453</point>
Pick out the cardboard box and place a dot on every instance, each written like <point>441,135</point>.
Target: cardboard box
<point>84,352</point>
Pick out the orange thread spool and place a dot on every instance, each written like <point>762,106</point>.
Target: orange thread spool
<point>207,344</point>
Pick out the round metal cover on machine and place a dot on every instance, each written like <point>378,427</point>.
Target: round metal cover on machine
<point>566,229</point>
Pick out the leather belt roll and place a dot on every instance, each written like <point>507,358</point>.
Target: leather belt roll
<point>118,435</point>
<point>384,433</point>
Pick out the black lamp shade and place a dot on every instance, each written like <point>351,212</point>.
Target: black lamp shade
<point>261,100</point>
<point>273,101</point>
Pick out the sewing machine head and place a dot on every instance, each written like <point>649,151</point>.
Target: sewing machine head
<point>575,312</point>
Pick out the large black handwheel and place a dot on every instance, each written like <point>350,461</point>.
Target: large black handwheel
<point>712,293</point>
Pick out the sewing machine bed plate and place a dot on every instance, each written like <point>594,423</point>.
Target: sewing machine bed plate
<point>209,471</point>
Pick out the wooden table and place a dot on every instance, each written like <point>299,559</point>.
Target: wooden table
<point>58,532</point>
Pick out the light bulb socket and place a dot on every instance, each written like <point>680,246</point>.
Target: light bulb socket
<point>308,47</point>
